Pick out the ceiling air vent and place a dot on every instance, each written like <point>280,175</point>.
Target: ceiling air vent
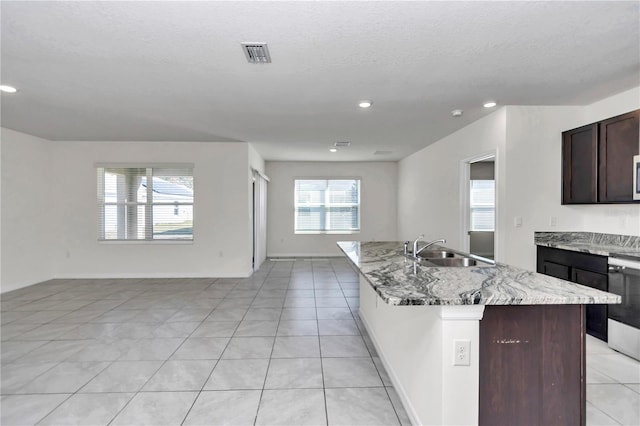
<point>342,144</point>
<point>256,53</point>
<point>383,153</point>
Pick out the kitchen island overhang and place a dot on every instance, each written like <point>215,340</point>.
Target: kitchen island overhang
<point>525,332</point>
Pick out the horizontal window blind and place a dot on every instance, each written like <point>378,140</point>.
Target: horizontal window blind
<point>327,205</point>
<point>145,203</point>
<point>482,205</point>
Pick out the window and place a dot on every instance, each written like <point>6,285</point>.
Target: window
<point>482,205</point>
<point>145,203</point>
<point>327,206</point>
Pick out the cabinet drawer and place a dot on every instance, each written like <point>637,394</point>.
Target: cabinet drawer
<point>584,261</point>
<point>590,279</point>
<point>555,270</point>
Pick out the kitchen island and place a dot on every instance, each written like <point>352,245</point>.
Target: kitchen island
<point>516,337</point>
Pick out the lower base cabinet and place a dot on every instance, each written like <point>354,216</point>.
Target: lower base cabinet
<point>532,366</point>
<point>582,268</point>
<point>596,314</point>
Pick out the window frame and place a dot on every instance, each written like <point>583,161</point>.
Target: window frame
<point>325,206</point>
<point>148,204</point>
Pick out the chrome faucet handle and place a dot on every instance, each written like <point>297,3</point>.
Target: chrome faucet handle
<point>415,244</point>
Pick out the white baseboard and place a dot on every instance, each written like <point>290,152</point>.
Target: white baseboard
<point>20,284</point>
<point>392,375</point>
<point>244,274</point>
<point>300,255</point>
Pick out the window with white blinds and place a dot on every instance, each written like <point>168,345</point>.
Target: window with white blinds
<point>145,203</point>
<point>327,206</point>
<point>482,205</point>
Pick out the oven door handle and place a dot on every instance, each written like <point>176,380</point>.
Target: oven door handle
<point>631,264</point>
<point>616,269</point>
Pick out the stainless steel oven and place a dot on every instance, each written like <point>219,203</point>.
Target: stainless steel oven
<point>624,319</point>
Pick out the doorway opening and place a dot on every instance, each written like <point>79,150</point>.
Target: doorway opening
<point>479,201</point>
<point>259,227</point>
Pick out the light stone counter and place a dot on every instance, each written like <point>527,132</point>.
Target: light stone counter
<point>399,280</point>
<point>590,242</point>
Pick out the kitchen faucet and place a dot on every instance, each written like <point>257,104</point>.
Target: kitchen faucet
<point>415,244</point>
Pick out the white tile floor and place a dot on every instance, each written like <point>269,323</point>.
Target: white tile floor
<point>613,386</point>
<point>282,347</point>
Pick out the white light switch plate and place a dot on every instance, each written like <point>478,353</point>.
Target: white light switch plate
<point>517,221</point>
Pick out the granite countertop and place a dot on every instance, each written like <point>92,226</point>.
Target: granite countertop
<point>400,280</point>
<point>591,242</point>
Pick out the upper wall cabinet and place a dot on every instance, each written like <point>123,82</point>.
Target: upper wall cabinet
<point>597,161</point>
<point>618,144</point>
<point>580,165</point>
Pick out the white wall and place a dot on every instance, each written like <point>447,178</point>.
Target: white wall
<point>429,180</point>
<point>378,206</point>
<point>534,178</point>
<point>221,212</point>
<point>528,142</point>
<point>28,223</point>
<point>255,159</point>
<point>49,218</point>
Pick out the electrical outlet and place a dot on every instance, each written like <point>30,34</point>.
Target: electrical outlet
<point>461,350</point>
<point>553,221</point>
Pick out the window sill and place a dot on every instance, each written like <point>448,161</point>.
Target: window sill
<point>146,242</point>
<point>326,232</point>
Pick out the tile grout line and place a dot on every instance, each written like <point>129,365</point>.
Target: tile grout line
<point>163,363</point>
<point>151,293</point>
<point>264,383</point>
<point>204,383</point>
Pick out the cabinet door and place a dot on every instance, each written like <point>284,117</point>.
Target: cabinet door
<point>580,165</point>
<point>618,145</point>
<point>555,270</point>
<point>596,314</point>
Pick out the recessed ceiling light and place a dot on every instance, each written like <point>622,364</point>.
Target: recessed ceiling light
<point>490,104</point>
<point>333,150</point>
<point>457,112</point>
<point>8,89</point>
<point>365,104</point>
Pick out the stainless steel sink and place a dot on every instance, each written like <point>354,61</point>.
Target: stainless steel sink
<point>454,261</point>
<point>435,254</point>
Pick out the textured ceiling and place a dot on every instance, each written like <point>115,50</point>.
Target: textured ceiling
<point>175,70</point>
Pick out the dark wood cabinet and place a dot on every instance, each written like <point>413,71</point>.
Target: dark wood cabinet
<point>582,268</point>
<point>596,314</point>
<point>532,366</point>
<point>580,165</point>
<point>618,143</point>
<point>597,161</point>
<point>555,270</point>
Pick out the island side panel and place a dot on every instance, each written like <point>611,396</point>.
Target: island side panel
<point>416,345</point>
<point>408,342</point>
<point>532,368</point>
